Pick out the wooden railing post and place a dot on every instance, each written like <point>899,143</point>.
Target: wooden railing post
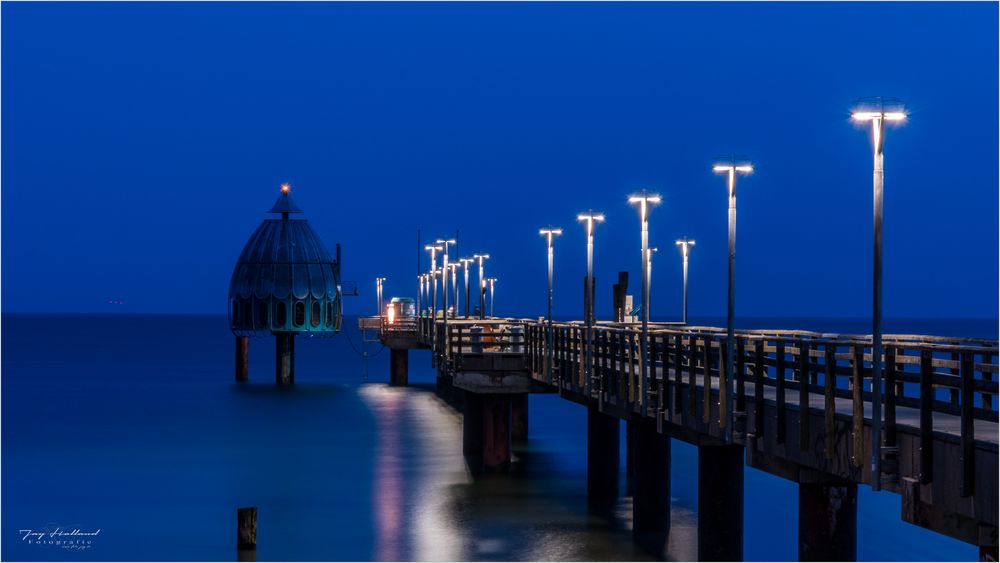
<point>678,371</point>
<point>968,430</point>
<point>692,385</point>
<point>926,416</point>
<point>804,431</point>
<point>857,403</point>
<point>779,385</point>
<point>758,388</point>
<point>890,396</point>
<point>706,400</point>
<point>829,399</point>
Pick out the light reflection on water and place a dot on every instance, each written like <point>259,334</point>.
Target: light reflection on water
<point>427,507</point>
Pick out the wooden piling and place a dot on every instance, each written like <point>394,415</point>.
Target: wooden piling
<point>284,357</point>
<point>246,528</point>
<point>242,358</point>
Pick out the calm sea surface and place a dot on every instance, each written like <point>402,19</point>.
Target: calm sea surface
<point>133,425</point>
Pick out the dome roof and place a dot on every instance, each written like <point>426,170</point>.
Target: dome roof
<point>285,279</point>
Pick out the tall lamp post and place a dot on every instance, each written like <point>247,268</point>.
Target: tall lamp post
<point>378,296</point>
<point>590,219</point>
<point>874,110</point>
<point>433,249</point>
<point>549,234</point>
<point>465,269</point>
<point>482,284</point>
<point>644,202</point>
<point>420,295</point>
<point>444,287</point>
<point>454,266</point>
<point>685,244</point>
<point>492,281</point>
<point>730,170</point>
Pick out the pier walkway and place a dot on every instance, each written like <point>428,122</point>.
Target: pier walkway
<point>940,430</point>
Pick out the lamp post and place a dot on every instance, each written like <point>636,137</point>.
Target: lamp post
<point>685,244</point>
<point>731,170</point>
<point>444,288</point>
<point>492,281</point>
<point>378,296</point>
<point>874,111</point>
<point>644,201</point>
<point>465,269</point>
<point>433,249</point>
<point>549,234</point>
<point>453,266</point>
<point>590,219</point>
<point>420,294</point>
<point>482,284</point>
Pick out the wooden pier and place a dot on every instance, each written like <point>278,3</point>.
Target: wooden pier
<point>799,408</point>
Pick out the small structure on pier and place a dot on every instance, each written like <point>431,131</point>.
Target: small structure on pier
<point>284,282</point>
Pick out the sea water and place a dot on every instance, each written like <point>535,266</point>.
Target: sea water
<point>134,428</point>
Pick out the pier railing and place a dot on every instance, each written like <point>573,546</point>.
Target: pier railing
<point>922,376</point>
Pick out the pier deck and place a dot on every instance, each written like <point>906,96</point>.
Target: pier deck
<point>940,425</point>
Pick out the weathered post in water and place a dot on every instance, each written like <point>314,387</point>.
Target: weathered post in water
<point>284,282</point>
<point>246,533</point>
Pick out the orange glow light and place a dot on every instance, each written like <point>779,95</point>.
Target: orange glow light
<point>285,188</point>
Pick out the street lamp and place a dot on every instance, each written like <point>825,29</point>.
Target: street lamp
<point>433,249</point>
<point>685,244</point>
<point>444,288</point>
<point>644,201</point>
<point>549,234</point>
<point>492,281</point>
<point>420,295</point>
<point>731,170</point>
<point>590,218</point>
<point>454,286</point>
<point>482,284</point>
<point>874,110</point>
<point>378,296</point>
<point>465,269</point>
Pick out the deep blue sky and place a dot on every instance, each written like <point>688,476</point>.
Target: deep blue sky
<point>143,143</point>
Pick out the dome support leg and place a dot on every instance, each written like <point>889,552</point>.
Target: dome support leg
<point>284,358</point>
<point>242,358</point>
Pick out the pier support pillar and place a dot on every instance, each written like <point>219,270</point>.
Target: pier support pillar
<point>720,502</point>
<point>651,500</point>
<point>519,417</point>
<point>242,358</point>
<point>630,430</point>
<point>828,521</point>
<point>602,460</point>
<point>284,358</point>
<point>399,367</point>
<point>486,431</point>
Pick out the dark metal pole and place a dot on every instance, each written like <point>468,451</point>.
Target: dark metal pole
<point>878,131</point>
<point>644,334</point>
<point>731,307</point>
<point>548,339</point>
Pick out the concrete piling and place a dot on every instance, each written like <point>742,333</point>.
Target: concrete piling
<point>651,483</point>
<point>602,460</point>
<point>828,521</point>
<point>486,431</point>
<point>399,365</point>
<point>519,417</point>
<point>720,502</point>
